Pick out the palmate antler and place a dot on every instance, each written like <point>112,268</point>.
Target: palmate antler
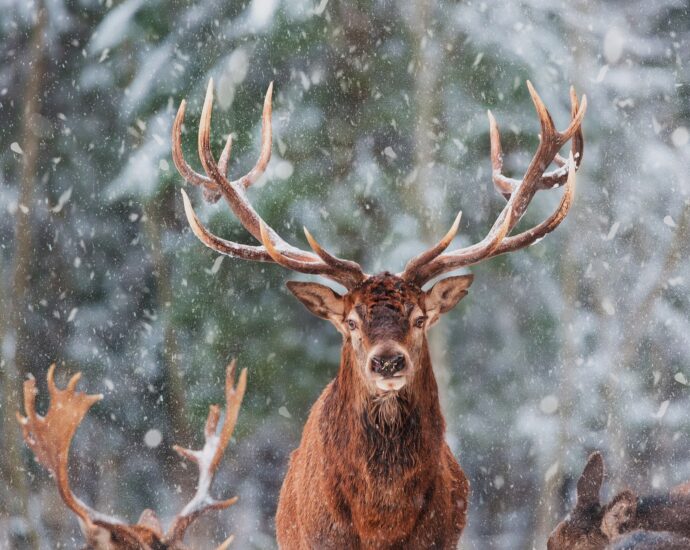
<point>425,266</point>
<point>50,436</point>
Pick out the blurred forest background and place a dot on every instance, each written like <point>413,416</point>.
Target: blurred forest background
<point>580,342</point>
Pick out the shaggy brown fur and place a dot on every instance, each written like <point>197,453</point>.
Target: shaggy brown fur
<point>626,522</point>
<point>374,471</point>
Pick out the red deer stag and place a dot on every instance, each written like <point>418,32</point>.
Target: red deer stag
<point>50,437</point>
<point>373,469</point>
<point>627,522</point>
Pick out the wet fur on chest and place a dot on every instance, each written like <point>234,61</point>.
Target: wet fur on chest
<point>387,443</point>
<point>391,436</point>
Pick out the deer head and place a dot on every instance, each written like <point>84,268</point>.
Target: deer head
<point>660,522</point>
<point>384,321</point>
<point>384,318</point>
<point>591,525</point>
<point>50,437</point>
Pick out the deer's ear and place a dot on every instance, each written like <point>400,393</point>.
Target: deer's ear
<point>589,484</point>
<point>619,514</point>
<point>445,295</point>
<point>320,300</point>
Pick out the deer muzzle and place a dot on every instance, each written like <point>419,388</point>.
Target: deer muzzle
<point>388,365</point>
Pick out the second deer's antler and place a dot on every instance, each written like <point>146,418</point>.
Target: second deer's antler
<point>50,437</point>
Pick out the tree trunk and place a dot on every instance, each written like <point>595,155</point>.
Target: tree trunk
<point>427,65</point>
<point>551,505</point>
<point>16,332</point>
<point>173,391</point>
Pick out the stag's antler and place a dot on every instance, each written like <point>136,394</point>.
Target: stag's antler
<point>208,458</point>
<point>50,437</point>
<point>518,193</point>
<point>428,264</point>
<point>216,183</point>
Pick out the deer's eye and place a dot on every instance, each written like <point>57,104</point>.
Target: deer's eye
<point>351,324</point>
<point>419,321</point>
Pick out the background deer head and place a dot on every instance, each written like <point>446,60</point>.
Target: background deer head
<point>591,526</point>
<point>626,521</point>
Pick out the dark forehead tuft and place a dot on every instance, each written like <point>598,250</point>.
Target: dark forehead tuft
<point>387,290</point>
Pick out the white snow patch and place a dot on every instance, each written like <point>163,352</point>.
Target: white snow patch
<point>318,10</point>
<point>551,472</point>
<point>614,40</point>
<point>216,266</point>
<point>608,307</point>
<point>113,28</point>
<point>549,404</point>
<point>261,13</point>
<point>153,438</point>
<point>72,314</point>
<point>662,409</point>
<point>612,232</point>
<point>601,74</point>
<point>283,169</point>
<point>390,153</point>
<point>680,136</point>
<point>62,201</point>
<point>668,220</point>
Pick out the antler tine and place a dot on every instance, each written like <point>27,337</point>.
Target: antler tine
<point>504,185</point>
<point>549,224</point>
<point>524,239</point>
<point>325,264</point>
<point>211,190</point>
<point>419,274</point>
<point>519,193</point>
<point>229,248</point>
<point>335,262</point>
<point>231,191</point>
<point>266,140</point>
<point>208,458</point>
<point>558,177</point>
<point>425,257</point>
<point>50,437</point>
<point>347,277</point>
<point>548,180</point>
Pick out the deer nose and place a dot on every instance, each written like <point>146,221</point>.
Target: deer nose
<point>388,365</point>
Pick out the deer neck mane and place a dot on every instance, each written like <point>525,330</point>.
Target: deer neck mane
<point>387,432</point>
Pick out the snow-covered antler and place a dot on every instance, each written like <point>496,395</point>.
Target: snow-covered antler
<point>208,458</point>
